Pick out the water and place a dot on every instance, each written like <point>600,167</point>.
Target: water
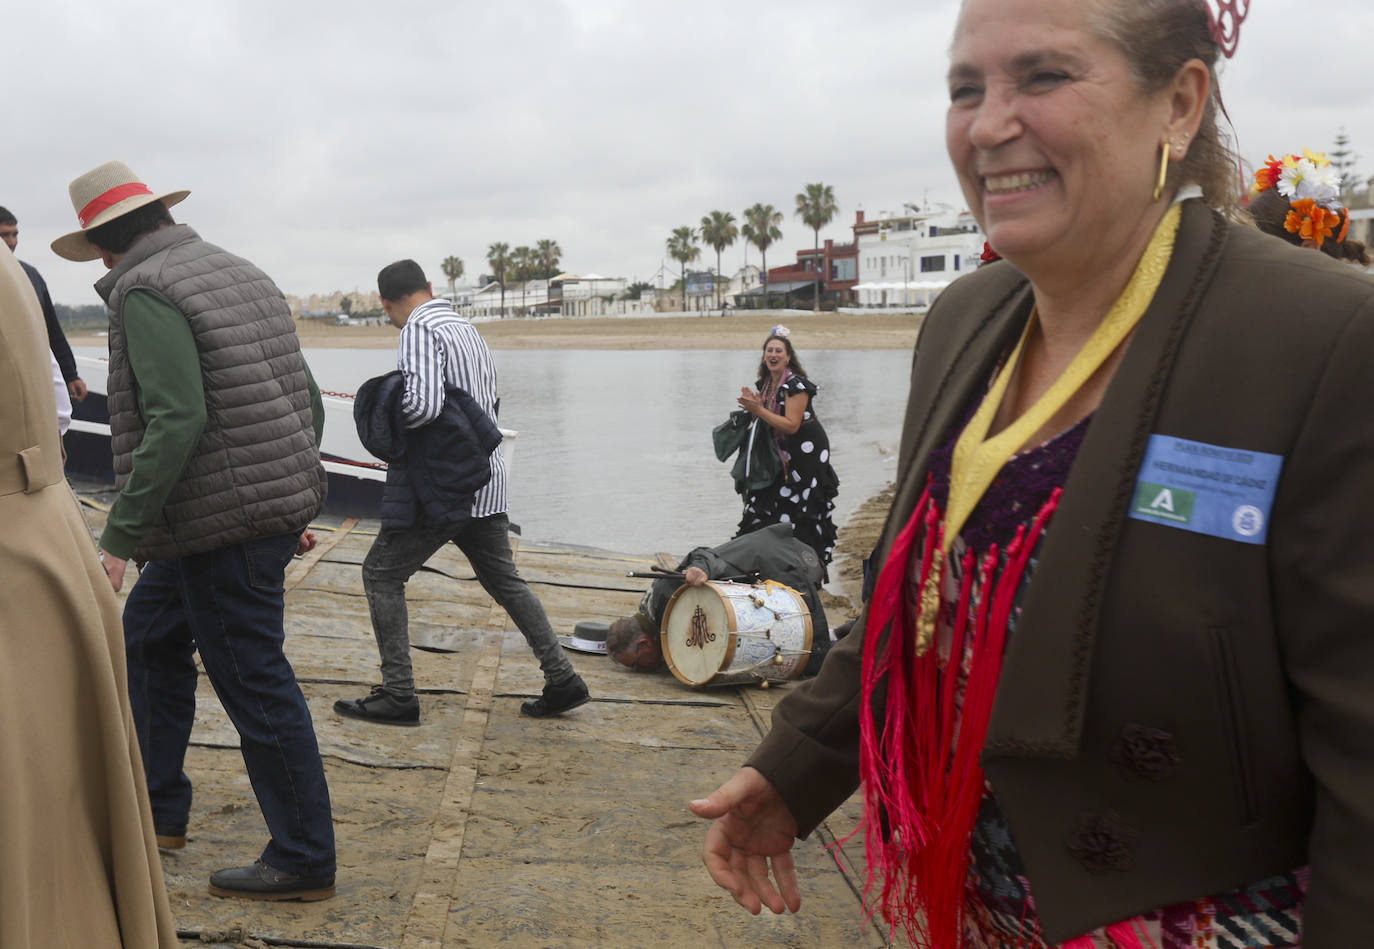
<point>614,448</point>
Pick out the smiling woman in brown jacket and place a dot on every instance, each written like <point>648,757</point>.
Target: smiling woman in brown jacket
<point>1116,685</point>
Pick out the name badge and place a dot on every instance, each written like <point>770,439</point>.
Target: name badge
<point>1207,489</point>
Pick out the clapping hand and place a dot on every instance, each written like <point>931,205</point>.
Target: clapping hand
<point>749,400</point>
<point>748,849</point>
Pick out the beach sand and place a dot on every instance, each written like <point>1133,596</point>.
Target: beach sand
<point>809,332</point>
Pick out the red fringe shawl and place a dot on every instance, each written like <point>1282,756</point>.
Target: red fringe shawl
<point>922,779</point>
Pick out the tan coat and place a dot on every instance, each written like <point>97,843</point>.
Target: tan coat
<point>78,862</point>
<point>1248,669</point>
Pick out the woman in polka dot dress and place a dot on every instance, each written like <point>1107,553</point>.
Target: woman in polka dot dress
<point>804,493</point>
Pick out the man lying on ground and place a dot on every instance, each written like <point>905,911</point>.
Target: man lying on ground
<point>771,553</point>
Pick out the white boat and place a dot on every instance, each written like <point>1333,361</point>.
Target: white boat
<point>355,478</point>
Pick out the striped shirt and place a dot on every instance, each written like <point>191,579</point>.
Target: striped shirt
<point>438,347</point>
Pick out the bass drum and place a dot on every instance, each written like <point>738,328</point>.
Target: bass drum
<point>723,633</point>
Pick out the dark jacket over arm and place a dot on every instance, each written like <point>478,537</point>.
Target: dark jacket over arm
<point>433,471</point>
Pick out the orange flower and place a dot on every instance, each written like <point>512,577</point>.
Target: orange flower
<point>1310,221</point>
<point>1268,174</point>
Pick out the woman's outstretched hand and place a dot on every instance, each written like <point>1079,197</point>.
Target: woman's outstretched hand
<point>748,849</point>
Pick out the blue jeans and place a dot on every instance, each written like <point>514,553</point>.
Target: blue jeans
<point>228,604</point>
<point>485,541</point>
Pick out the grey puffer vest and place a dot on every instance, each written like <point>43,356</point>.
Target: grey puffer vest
<point>256,470</point>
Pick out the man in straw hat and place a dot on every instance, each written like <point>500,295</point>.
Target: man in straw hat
<point>215,425</point>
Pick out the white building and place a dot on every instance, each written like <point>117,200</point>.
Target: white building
<point>519,299</point>
<point>907,258</point>
<point>745,279</point>
<point>460,297</point>
<point>588,295</point>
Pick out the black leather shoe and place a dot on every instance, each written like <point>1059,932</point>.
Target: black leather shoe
<point>557,699</point>
<point>170,836</point>
<point>261,882</point>
<point>382,707</point>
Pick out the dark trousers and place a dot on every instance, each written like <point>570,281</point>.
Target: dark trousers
<point>485,541</point>
<point>228,605</point>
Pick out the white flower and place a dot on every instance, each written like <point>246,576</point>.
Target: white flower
<point>1323,185</point>
<point>780,331</point>
<point>1291,176</point>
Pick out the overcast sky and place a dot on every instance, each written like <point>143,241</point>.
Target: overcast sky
<point>324,140</point>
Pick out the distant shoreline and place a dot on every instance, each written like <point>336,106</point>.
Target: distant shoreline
<point>820,331</point>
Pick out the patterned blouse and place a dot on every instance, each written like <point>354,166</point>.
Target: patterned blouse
<point>1000,908</point>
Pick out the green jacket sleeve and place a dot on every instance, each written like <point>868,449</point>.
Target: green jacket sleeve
<point>316,404</point>
<point>171,399</point>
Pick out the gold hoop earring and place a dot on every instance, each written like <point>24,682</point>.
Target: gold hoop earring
<point>1163,169</point>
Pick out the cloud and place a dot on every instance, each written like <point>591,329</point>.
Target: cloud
<point>322,140</point>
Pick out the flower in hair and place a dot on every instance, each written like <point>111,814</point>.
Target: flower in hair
<point>1310,221</point>
<point>1311,177</point>
<point>1306,179</point>
<point>1268,175</point>
<point>780,331</point>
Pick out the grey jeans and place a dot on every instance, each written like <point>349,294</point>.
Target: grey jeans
<point>397,554</point>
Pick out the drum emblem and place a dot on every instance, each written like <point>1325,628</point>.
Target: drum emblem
<point>699,630</point>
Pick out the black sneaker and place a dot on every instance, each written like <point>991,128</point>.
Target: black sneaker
<point>382,707</point>
<point>557,699</point>
<point>261,882</point>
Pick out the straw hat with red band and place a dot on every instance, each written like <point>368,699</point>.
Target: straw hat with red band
<point>101,195</point>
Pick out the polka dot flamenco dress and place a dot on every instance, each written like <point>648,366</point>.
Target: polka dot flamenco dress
<point>804,493</point>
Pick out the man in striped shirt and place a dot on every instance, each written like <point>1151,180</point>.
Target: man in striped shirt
<point>439,348</point>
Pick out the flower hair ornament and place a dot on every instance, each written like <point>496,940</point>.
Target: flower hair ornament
<point>1313,188</point>
<point>780,331</point>
<point>1225,17</point>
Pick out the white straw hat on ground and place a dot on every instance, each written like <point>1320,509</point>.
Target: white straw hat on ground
<point>101,195</point>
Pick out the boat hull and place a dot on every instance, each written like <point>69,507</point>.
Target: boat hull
<point>355,480</point>
<point>355,484</point>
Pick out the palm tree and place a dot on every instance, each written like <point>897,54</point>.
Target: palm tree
<point>761,229</point>
<point>718,230</point>
<point>816,207</point>
<point>453,270</point>
<point>682,247</point>
<point>549,252</point>
<point>498,259</point>
<point>524,260</point>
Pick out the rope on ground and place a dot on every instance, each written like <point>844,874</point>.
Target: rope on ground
<point>827,838</point>
<point>94,504</point>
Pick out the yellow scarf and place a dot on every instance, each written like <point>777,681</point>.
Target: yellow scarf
<point>978,459</point>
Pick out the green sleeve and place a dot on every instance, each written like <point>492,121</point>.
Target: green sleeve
<point>171,400</point>
<point>316,404</point>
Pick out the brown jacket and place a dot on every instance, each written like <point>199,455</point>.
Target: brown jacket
<point>1178,714</point>
<point>78,860</point>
